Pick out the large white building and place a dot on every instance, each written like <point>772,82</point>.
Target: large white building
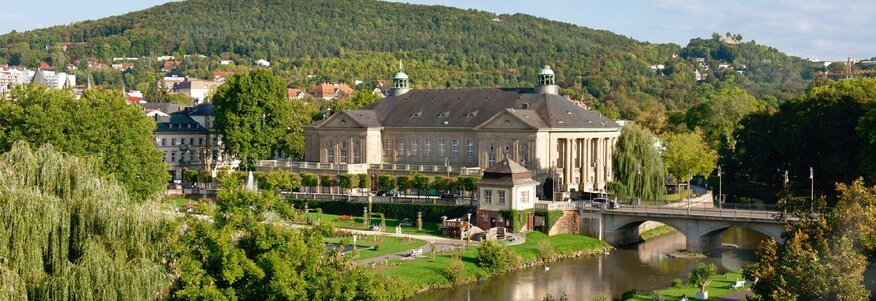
<point>465,131</point>
<point>188,140</point>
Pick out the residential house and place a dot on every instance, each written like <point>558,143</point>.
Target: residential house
<point>295,93</point>
<point>220,76</point>
<point>263,63</point>
<point>331,91</point>
<point>169,66</point>
<point>197,89</point>
<point>189,140</point>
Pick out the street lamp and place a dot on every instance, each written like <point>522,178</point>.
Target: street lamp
<point>689,177</point>
<point>642,189</point>
<point>720,194</point>
<point>812,188</point>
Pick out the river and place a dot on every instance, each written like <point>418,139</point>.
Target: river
<point>642,267</point>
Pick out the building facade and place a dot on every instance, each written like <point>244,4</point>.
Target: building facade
<point>466,131</point>
<point>189,141</point>
<point>506,186</point>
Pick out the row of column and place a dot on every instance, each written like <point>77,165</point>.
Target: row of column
<point>588,155</point>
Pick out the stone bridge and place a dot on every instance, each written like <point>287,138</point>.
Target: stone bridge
<point>701,226</point>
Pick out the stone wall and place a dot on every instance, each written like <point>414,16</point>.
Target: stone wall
<point>569,223</point>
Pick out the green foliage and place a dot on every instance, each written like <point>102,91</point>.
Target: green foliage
<point>637,165</point>
<point>517,218</point>
<point>348,181</point>
<point>468,183</point>
<point>719,117</point>
<point>277,180</point>
<point>430,212</point>
<point>550,297</point>
<point>237,257</point>
<point>328,180</point>
<point>496,257</point>
<point>191,176</point>
<point>364,182</point>
<point>688,153</point>
<point>676,283</point>
<point>100,124</point>
<point>702,275</point>
<point>550,218</point>
<point>405,183</point>
<point>72,233</point>
<point>455,270</point>
<point>421,182</point>
<point>630,294</point>
<point>252,112</point>
<point>386,182</point>
<point>546,250</point>
<point>291,144</point>
<point>159,93</point>
<point>359,99</point>
<point>824,129</point>
<point>309,180</point>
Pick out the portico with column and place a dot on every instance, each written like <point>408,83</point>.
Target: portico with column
<point>583,163</point>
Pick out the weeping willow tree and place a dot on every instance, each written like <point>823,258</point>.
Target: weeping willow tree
<point>70,234</point>
<point>638,169</point>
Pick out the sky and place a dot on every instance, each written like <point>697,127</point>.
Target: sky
<point>817,29</point>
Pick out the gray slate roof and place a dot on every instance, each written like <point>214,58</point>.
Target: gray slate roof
<point>471,107</point>
<point>506,173</point>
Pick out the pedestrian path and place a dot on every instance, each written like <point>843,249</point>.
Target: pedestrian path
<point>740,295</point>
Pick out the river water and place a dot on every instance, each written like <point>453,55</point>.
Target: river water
<point>642,267</point>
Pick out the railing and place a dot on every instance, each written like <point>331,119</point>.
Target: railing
<point>361,168</point>
<point>547,205</point>
<point>691,211</point>
<point>381,199</point>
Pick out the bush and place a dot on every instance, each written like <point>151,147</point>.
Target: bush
<point>495,257</point>
<point>676,283</point>
<point>702,275</point>
<point>430,212</point>
<point>630,294</point>
<point>549,297</point>
<point>545,250</point>
<point>376,247</point>
<point>455,270</point>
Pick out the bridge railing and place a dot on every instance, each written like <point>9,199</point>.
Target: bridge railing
<point>693,211</point>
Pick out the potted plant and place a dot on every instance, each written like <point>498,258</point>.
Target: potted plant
<point>701,276</point>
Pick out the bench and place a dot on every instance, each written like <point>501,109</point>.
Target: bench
<point>738,284</point>
<point>416,253</point>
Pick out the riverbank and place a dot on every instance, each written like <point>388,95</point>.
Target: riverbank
<point>721,286</point>
<point>425,274</point>
<point>657,232</point>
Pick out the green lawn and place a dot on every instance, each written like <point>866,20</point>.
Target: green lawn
<point>656,232</point>
<point>720,286</point>
<point>564,244</point>
<point>677,196</point>
<point>429,228</point>
<point>421,273</point>
<point>388,245</point>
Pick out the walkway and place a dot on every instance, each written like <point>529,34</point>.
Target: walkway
<point>441,243</point>
<point>740,295</point>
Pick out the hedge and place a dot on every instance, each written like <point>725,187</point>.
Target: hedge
<point>550,219</point>
<point>430,212</point>
<point>517,218</point>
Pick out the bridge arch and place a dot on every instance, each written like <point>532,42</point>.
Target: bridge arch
<point>770,231</point>
<point>625,230</point>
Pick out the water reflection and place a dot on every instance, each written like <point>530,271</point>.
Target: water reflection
<point>642,267</point>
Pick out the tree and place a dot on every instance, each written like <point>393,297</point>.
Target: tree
<point>73,233</point>
<point>301,114</point>
<point>157,93</point>
<point>637,165</point>
<point>405,183</point>
<point>468,183</point>
<point>360,98</point>
<point>719,116</point>
<point>702,275</point>
<point>309,180</point>
<point>252,113</point>
<point>100,124</point>
<point>386,182</point>
<point>364,182</point>
<point>688,154</point>
<point>495,257</point>
<point>421,182</point>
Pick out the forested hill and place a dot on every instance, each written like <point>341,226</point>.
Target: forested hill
<point>323,40</point>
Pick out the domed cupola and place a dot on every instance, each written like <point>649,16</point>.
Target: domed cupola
<point>547,82</point>
<point>400,83</point>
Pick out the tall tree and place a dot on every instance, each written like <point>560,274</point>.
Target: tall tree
<point>252,113</point>
<point>637,165</point>
<point>686,154</point>
<point>99,124</point>
<point>72,233</point>
<point>719,116</point>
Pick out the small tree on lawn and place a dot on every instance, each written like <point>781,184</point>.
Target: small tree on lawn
<point>495,257</point>
<point>309,180</point>
<point>346,181</point>
<point>328,181</point>
<point>702,275</point>
<point>405,183</point>
<point>422,182</point>
<point>455,270</point>
<point>467,183</point>
<point>386,182</point>
<point>364,182</point>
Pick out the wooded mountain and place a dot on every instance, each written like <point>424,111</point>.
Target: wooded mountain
<point>314,41</point>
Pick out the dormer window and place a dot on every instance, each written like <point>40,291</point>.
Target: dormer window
<point>443,114</point>
<point>526,106</point>
<point>343,121</point>
<point>417,114</point>
<point>506,122</point>
<point>472,114</point>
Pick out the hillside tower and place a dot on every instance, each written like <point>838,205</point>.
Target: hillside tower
<point>400,83</point>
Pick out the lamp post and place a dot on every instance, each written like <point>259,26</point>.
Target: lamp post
<point>720,194</point>
<point>689,176</point>
<point>447,165</point>
<point>642,188</point>
<point>812,189</point>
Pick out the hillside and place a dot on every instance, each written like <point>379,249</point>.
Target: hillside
<point>314,41</point>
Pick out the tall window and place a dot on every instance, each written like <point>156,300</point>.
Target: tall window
<point>191,141</point>
<point>387,147</point>
<point>172,157</point>
<point>330,152</point>
<point>469,148</point>
<point>201,141</point>
<point>501,196</point>
<point>163,141</point>
<point>524,155</point>
<point>172,141</point>
<point>488,196</point>
<point>440,147</point>
<point>491,156</point>
<point>414,147</point>
<point>455,148</point>
<point>165,157</point>
<point>401,147</point>
<point>524,196</point>
<point>427,149</point>
<point>506,151</point>
<point>343,152</point>
<point>356,155</point>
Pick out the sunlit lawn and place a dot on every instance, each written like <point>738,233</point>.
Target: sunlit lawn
<point>429,228</point>
<point>720,286</point>
<point>388,245</point>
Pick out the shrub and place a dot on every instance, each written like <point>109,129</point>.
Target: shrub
<point>702,275</point>
<point>455,270</point>
<point>630,294</point>
<point>376,247</point>
<point>545,250</point>
<point>495,257</point>
<point>676,283</point>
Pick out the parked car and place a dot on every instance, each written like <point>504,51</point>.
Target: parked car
<point>449,195</point>
<point>604,203</point>
<point>385,193</point>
